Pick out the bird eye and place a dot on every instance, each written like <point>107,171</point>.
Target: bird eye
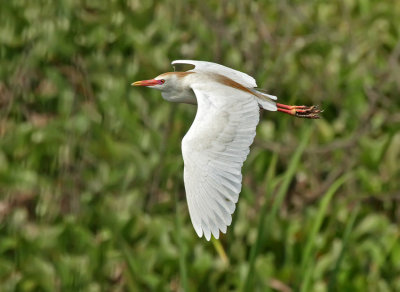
<point>162,81</point>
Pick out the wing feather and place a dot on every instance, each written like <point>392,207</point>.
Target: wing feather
<point>214,150</point>
<point>235,75</point>
<point>265,100</point>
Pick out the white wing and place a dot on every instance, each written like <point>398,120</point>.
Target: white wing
<point>237,76</point>
<point>214,150</point>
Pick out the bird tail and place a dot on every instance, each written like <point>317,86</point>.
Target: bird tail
<point>265,100</point>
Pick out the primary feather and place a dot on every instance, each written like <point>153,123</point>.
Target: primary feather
<point>237,76</point>
<point>214,150</point>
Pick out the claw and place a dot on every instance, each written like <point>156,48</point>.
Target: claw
<point>308,112</point>
<point>301,111</point>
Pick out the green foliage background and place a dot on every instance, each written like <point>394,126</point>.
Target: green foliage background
<point>92,196</point>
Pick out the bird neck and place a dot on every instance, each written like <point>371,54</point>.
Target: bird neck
<point>183,96</point>
<point>179,89</point>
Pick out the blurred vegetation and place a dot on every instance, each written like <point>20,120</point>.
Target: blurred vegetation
<point>91,188</point>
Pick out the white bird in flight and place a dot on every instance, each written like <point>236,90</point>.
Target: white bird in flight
<point>217,143</point>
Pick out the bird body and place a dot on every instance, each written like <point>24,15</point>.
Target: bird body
<point>218,141</point>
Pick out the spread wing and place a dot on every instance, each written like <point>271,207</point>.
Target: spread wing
<point>214,150</point>
<point>237,76</point>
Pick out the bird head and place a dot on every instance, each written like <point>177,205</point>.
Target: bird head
<point>156,83</point>
<point>172,85</point>
<point>163,82</point>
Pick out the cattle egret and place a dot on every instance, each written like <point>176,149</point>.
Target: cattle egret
<point>217,143</point>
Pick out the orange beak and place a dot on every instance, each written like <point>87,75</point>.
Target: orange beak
<point>150,82</point>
